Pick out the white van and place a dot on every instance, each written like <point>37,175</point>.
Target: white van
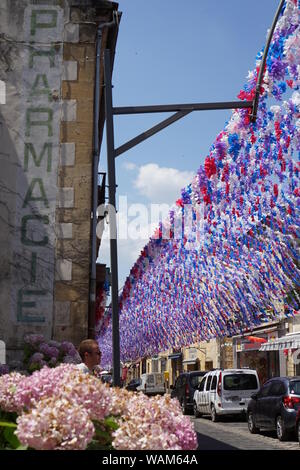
<point>225,392</point>
<point>152,384</point>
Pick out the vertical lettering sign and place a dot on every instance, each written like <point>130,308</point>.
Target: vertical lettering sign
<point>2,92</point>
<point>38,150</point>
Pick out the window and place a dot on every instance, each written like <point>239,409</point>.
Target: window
<point>163,365</point>
<point>154,365</point>
<point>195,380</point>
<point>178,382</point>
<point>214,383</point>
<point>295,387</point>
<point>150,379</point>
<point>202,383</point>
<point>277,389</point>
<point>208,382</point>
<point>264,392</point>
<point>240,382</point>
<point>209,365</point>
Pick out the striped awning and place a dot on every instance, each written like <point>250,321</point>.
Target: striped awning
<point>289,341</point>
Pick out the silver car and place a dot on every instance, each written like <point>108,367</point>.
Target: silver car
<point>225,392</point>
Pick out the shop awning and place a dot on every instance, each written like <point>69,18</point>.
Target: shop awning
<point>175,356</point>
<point>289,341</point>
<point>189,361</point>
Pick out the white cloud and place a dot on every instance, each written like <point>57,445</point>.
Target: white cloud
<point>129,166</point>
<point>161,184</point>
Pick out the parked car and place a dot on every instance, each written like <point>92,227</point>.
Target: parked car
<point>298,426</point>
<point>276,407</point>
<point>152,384</point>
<point>133,384</point>
<point>184,389</point>
<point>106,378</point>
<point>225,392</point>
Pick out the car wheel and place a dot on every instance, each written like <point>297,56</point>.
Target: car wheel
<point>197,414</point>
<point>251,424</point>
<point>213,414</point>
<point>281,431</point>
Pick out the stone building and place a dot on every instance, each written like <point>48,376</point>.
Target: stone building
<point>47,69</point>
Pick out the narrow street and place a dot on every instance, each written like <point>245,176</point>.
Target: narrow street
<point>233,434</point>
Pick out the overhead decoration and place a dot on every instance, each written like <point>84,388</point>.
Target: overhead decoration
<point>225,260</point>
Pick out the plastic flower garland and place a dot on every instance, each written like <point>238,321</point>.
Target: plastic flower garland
<point>236,263</point>
<point>61,409</point>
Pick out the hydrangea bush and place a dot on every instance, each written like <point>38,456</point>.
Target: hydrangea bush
<point>38,352</point>
<point>62,408</point>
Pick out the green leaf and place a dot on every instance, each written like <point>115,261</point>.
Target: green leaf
<point>11,438</point>
<point>111,423</point>
<point>103,434</point>
<point>8,424</point>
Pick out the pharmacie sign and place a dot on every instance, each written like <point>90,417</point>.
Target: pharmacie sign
<point>38,150</point>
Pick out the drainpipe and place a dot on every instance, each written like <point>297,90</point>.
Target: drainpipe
<point>96,150</point>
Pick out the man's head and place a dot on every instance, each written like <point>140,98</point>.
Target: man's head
<point>90,353</point>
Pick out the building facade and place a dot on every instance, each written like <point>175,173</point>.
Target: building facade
<point>47,62</point>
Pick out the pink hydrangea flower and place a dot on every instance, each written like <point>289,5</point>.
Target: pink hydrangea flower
<point>8,387</point>
<point>58,406</point>
<point>154,423</point>
<point>55,424</point>
<point>43,383</point>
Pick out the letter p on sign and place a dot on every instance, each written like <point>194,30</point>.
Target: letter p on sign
<point>2,92</point>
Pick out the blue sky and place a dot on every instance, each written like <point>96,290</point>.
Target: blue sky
<point>170,51</point>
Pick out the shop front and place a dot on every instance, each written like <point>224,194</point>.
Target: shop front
<point>176,365</point>
<point>191,362</point>
<point>248,354</point>
<point>290,346</point>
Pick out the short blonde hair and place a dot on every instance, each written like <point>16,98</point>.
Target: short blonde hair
<point>86,346</point>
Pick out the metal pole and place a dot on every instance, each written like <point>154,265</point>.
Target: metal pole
<point>150,132</point>
<point>96,149</point>
<point>263,62</point>
<point>182,107</point>
<point>92,306</point>
<point>111,170</point>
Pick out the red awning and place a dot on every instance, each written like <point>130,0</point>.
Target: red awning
<point>255,339</point>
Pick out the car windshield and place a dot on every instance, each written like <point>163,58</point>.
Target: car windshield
<point>295,387</point>
<point>107,378</point>
<point>240,382</point>
<point>195,380</point>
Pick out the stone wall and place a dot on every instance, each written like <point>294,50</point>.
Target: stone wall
<point>47,63</point>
